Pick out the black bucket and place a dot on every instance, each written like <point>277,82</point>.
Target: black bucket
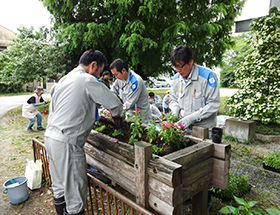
<point>217,134</point>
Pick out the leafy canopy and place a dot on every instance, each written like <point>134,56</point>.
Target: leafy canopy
<point>31,57</point>
<point>259,75</point>
<point>233,58</point>
<point>144,32</point>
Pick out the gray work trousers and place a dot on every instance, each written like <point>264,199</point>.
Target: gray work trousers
<point>68,173</point>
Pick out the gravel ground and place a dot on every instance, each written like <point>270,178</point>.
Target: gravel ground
<point>250,159</point>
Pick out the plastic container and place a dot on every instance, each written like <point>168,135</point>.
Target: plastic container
<point>217,134</point>
<point>16,189</point>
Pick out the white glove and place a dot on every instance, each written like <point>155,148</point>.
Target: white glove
<point>190,119</point>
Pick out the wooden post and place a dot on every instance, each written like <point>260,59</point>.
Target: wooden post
<point>143,152</point>
<point>199,204</point>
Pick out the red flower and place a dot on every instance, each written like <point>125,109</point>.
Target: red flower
<point>137,110</point>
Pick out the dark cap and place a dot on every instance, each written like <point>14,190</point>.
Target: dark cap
<point>106,73</point>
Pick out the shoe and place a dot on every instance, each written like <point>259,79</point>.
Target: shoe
<point>30,129</point>
<point>40,129</point>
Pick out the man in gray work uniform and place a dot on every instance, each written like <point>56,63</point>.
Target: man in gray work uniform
<point>194,95</point>
<point>131,89</point>
<point>73,111</point>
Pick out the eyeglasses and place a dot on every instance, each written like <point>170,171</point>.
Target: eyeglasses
<point>180,67</point>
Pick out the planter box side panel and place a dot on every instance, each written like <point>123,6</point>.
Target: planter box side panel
<point>122,151</point>
<point>113,168</point>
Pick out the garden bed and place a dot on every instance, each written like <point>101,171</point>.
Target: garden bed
<point>161,183</point>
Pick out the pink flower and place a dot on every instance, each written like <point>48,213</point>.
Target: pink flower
<point>171,123</point>
<point>115,140</point>
<point>180,125</point>
<point>184,133</point>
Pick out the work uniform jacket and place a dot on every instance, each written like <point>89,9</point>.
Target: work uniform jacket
<point>134,95</point>
<point>156,114</point>
<point>73,109</point>
<point>157,101</point>
<point>200,96</point>
<point>28,109</point>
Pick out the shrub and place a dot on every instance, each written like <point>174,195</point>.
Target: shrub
<point>238,185</point>
<point>273,158</point>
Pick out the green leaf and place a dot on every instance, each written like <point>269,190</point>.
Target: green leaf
<point>229,210</point>
<point>273,211</point>
<point>240,200</point>
<point>259,211</point>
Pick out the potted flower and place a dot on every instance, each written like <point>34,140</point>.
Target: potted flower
<point>272,160</point>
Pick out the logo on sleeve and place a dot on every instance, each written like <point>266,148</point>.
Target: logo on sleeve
<point>212,80</point>
<point>133,86</point>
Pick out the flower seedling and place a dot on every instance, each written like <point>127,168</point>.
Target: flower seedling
<point>273,158</point>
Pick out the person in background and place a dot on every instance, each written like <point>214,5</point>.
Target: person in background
<point>166,102</point>
<point>105,78</point>
<point>72,113</point>
<point>157,100</point>
<point>110,79</point>
<point>156,114</point>
<point>30,109</point>
<point>131,89</point>
<point>194,95</point>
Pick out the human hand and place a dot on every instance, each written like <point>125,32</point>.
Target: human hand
<point>190,119</point>
<point>118,122</point>
<point>105,120</point>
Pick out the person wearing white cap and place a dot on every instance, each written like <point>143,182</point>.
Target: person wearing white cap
<point>30,109</point>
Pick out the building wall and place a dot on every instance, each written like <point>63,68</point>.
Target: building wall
<point>6,37</point>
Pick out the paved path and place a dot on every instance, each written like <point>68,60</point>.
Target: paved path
<point>8,103</point>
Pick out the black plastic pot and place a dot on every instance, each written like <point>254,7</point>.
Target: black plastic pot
<point>217,134</point>
<point>271,168</point>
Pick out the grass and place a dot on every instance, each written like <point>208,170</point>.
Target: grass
<point>15,130</point>
<point>16,94</point>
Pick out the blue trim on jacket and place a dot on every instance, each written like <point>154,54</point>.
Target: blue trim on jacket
<point>133,81</point>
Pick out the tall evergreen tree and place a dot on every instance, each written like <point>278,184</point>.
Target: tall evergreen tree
<point>144,32</point>
<point>233,58</point>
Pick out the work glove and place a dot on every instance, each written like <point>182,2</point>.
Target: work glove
<point>190,119</point>
<point>118,122</point>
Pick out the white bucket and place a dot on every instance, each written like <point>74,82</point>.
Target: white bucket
<point>16,189</point>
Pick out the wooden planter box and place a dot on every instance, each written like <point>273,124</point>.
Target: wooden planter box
<point>162,184</point>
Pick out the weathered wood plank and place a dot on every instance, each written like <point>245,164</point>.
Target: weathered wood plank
<point>120,150</point>
<point>199,185</point>
<point>143,152</point>
<point>199,203</point>
<point>162,208</point>
<point>119,166</point>
<point>221,167</point>
<point>222,151</point>
<point>200,132</point>
<point>191,175</point>
<point>221,173</point>
<point>165,171</point>
<point>170,195</point>
<point>221,181</point>
<point>192,155</point>
<point>127,184</point>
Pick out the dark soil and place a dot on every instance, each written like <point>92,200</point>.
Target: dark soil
<point>166,149</point>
